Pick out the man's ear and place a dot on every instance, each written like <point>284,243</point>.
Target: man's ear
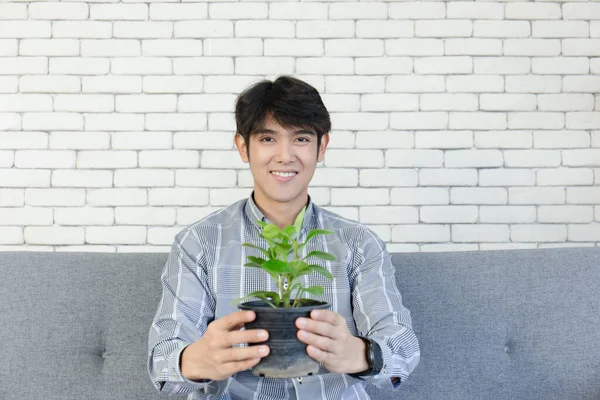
<point>323,147</point>
<point>242,147</point>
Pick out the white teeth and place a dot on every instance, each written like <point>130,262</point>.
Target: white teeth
<point>284,174</point>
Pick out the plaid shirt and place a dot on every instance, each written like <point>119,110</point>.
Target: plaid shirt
<point>204,273</point>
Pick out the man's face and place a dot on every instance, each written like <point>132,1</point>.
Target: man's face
<point>282,161</point>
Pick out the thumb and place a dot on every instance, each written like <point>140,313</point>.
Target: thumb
<point>234,320</point>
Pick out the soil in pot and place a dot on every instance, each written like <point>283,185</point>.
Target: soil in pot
<point>288,357</point>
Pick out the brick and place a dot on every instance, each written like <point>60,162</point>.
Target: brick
<point>293,47</point>
<point>475,10</point>
<point>533,84</point>
<point>583,120</point>
<point>474,47</point>
<point>221,122</point>
<point>414,47</point>
<point>585,11</point>
<point>477,120</point>
<point>233,47</point>
<point>595,139</point>
<point>360,121</point>
<point>325,65</point>
<point>203,140</point>
<point>447,177</point>
<point>118,12</point>
<point>300,11</point>
<point>264,65</point>
<point>449,102</point>
<point>417,10</point>
<point>79,140</point>
<point>354,158</point>
<point>594,29</point>
<point>581,84</point>
<point>55,197</point>
<point>114,122</point>
<point>561,139</point>
<point>240,11</point>
<point>107,159</point>
<point>501,29</point>
<point>443,28</point>
<point>563,245</point>
<point>172,84</point>
<point>23,65</point>
<point>449,247</point>
<point>342,102</point>
<point>582,233</point>
<point>176,122</point>
<point>144,178</point>
<point>81,248</point>
<point>354,47</point>
<point>203,66</point>
<point>403,248</point>
<point>508,246</point>
<point>506,177</point>
<point>110,48</point>
<point>8,47</point>
<point>507,102</point>
<point>346,212</point>
<point>325,29</point>
<point>162,235</point>
<point>178,197</point>
<point>146,103</point>
<point>169,159</point>
<point>225,197</point>
<point>356,10</point>
<point>82,178</point>
<point>532,47</point>
<point>174,12</point>
<point>560,65</point>
<point>444,65</point>
<point>117,197</point>
<point>536,120</point>
<point>444,139</point>
<point>355,84</point>
<point>52,121</point>
<point>566,214</point>
<point>49,84</point>
<point>25,102</point>
<point>384,28</point>
<point>360,196</point>
<point>221,159</point>
<point>389,102</point>
<point>507,214</point>
<point>419,120</point>
<point>415,84</point>
<point>81,29</point>
<point>384,139</point>
<point>478,196</point>
<point>51,159</point>
<point>502,65</point>
<point>389,215</point>
<point>23,140</point>
<point>565,176</point>
<point>143,30</point>
<point>10,121</point>
<point>560,29</point>
<point>265,29</point>
<point>144,249</point>
<point>419,196</point>
<point>566,102</point>
<point>480,233</point>
<point>84,103</point>
<point>112,84</point>
<point>388,177</point>
<point>414,158</point>
<point>26,29</point>
<point>206,103</point>
<point>205,29</point>
<point>11,235</point>
<point>115,234</point>
<point>26,216</point>
<point>12,197</point>
<point>79,66</point>
<point>583,195</point>
<point>333,177</point>
<point>7,159</point>
<point>141,140</point>
<point>538,233</point>
<point>58,11</point>
<point>84,216</point>
<point>475,83</point>
<point>523,10</point>
<point>144,216</point>
<point>472,158</point>
<point>532,158</point>
<point>420,233</point>
<point>580,158</point>
<point>174,48</point>
<point>448,214</point>
<point>13,11</point>
<point>581,47</point>
<point>536,195</point>
<point>54,235</point>
<point>190,215</point>
<point>49,47</point>
<point>342,140</point>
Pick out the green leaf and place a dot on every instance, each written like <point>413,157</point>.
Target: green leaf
<point>277,266</point>
<point>256,260</point>
<point>321,255</point>
<point>266,253</point>
<point>320,270</point>
<point>288,231</point>
<point>270,231</point>
<point>315,232</point>
<point>314,290</point>
<point>253,265</point>
<point>299,220</point>
<point>272,298</point>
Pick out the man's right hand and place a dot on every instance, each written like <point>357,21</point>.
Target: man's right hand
<point>213,356</point>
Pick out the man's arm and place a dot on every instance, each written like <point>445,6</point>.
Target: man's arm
<point>380,315</point>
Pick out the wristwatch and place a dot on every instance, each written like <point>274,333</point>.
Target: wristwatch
<point>374,358</point>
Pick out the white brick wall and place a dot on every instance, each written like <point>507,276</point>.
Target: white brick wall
<point>456,125</point>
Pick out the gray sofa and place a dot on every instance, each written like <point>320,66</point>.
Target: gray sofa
<point>519,324</point>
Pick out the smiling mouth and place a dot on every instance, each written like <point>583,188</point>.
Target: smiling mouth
<point>283,176</point>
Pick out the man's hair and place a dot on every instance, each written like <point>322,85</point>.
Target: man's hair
<point>289,101</point>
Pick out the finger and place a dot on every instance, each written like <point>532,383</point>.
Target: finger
<point>317,355</point>
<point>237,354</point>
<point>250,336</point>
<point>237,366</point>
<point>234,320</point>
<point>326,316</point>
<point>318,327</point>
<point>320,342</point>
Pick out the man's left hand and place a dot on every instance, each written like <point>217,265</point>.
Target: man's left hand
<point>331,343</point>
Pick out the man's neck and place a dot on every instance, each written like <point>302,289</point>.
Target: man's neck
<point>280,214</point>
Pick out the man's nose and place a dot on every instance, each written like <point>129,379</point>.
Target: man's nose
<point>285,152</point>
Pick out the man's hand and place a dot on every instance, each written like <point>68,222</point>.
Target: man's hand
<point>213,356</point>
<point>331,343</point>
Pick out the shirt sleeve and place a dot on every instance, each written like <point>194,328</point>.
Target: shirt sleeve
<point>380,315</point>
<point>184,312</point>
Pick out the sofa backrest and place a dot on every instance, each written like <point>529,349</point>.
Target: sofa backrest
<point>492,325</point>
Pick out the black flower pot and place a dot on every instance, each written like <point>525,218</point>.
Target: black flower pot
<point>288,357</point>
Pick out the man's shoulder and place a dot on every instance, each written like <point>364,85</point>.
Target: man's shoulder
<point>214,220</point>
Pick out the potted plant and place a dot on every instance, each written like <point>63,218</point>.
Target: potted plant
<point>277,312</point>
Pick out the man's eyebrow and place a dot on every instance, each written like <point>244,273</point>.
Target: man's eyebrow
<point>297,132</point>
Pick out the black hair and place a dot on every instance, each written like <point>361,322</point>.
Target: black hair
<point>290,101</point>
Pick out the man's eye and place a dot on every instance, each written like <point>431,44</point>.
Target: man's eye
<point>264,139</point>
<point>304,139</point>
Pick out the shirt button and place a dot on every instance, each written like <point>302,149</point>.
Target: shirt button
<point>300,380</point>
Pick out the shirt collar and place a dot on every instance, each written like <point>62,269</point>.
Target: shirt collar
<point>254,214</point>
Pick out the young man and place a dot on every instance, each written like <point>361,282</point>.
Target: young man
<point>196,344</point>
